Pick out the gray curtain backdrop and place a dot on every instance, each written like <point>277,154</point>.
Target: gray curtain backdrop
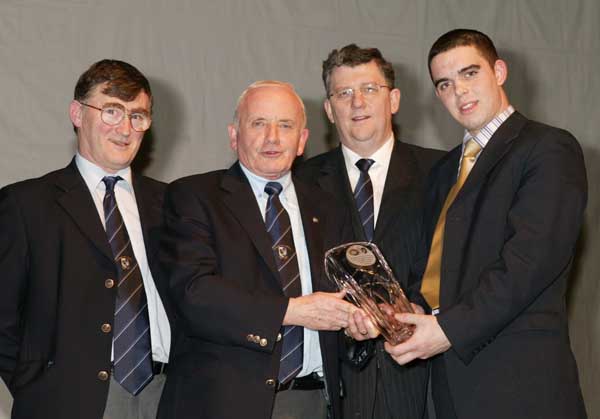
<point>200,55</point>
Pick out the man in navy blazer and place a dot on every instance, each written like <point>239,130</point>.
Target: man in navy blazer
<point>501,248</point>
<point>59,276</point>
<point>227,276</point>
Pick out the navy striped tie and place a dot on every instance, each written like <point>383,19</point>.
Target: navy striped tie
<point>132,363</point>
<point>278,226</point>
<point>363,195</point>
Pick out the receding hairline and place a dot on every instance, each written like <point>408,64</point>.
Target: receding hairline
<point>268,83</point>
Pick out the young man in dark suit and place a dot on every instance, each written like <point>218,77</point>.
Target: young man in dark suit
<point>244,250</point>
<point>83,331</point>
<point>361,101</point>
<point>505,209</point>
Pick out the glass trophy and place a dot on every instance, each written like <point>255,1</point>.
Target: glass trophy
<point>360,269</point>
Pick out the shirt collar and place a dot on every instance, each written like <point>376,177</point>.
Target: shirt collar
<point>93,174</point>
<point>258,183</point>
<point>381,157</point>
<point>485,134</point>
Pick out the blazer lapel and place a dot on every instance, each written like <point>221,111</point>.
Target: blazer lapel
<point>312,218</point>
<point>150,211</point>
<point>77,201</point>
<point>241,201</point>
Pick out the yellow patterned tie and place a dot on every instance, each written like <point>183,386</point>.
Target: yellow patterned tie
<point>430,288</point>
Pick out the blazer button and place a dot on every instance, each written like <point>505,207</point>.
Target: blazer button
<point>250,338</point>
<point>263,342</point>
<point>103,375</point>
<point>109,283</point>
<point>270,383</point>
<point>278,337</point>
<point>106,328</point>
<point>256,339</point>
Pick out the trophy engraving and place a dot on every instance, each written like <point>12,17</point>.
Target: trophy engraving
<point>360,269</point>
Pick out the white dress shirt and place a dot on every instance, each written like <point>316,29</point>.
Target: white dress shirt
<point>313,362</point>
<point>377,172</point>
<point>160,331</point>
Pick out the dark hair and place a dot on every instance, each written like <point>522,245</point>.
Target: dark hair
<point>351,55</point>
<point>464,38</point>
<point>123,81</point>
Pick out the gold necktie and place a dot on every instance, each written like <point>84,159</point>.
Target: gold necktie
<point>430,288</point>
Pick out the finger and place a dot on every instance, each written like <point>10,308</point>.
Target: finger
<point>404,359</point>
<point>372,330</point>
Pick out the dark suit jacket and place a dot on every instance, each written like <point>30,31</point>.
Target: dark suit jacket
<point>508,246</point>
<point>397,234</point>
<point>54,259</point>
<point>224,284</point>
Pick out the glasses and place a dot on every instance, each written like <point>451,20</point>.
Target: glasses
<point>368,90</point>
<point>113,114</point>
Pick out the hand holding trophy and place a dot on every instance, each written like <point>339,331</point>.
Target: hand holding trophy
<point>360,269</point>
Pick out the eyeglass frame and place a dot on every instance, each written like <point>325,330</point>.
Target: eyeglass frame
<point>360,88</point>
<point>125,114</point>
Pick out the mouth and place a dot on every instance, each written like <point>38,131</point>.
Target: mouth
<point>468,107</point>
<point>360,118</point>
<point>119,144</point>
<point>271,154</point>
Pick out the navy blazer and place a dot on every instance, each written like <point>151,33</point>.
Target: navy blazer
<point>509,241</point>
<point>55,259</point>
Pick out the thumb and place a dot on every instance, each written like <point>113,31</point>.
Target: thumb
<point>340,294</point>
<point>410,318</point>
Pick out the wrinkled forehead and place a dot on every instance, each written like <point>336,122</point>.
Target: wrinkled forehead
<point>100,96</point>
<point>274,101</point>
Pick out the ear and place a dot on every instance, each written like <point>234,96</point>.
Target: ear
<point>302,142</point>
<point>75,113</point>
<point>232,131</point>
<point>395,100</point>
<point>328,110</point>
<point>500,71</point>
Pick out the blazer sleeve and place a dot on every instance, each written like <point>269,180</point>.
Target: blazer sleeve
<point>13,265</point>
<point>542,225</point>
<point>208,306</point>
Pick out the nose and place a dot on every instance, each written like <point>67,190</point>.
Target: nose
<point>460,88</point>
<point>272,133</point>
<point>124,127</point>
<point>358,100</point>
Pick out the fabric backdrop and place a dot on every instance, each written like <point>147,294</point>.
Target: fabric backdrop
<point>199,56</point>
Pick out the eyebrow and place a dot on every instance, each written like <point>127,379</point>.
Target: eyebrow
<point>134,110</point>
<point>461,71</point>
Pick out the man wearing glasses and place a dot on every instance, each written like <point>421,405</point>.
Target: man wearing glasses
<point>83,332</point>
<point>379,178</point>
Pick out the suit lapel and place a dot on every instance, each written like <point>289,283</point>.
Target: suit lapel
<point>399,177</point>
<point>241,201</point>
<point>334,179</point>
<point>496,148</point>
<point>76,200</point>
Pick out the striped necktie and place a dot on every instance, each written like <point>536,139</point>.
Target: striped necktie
<point>363,195</point>
<point>132,363</point>
<point>279,228</point>
<point>430,287</point>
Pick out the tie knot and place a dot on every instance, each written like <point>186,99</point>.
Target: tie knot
<point>471,148</point>
<point>110,182</point>
<point>273,188</point>
<point>364,164</point>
